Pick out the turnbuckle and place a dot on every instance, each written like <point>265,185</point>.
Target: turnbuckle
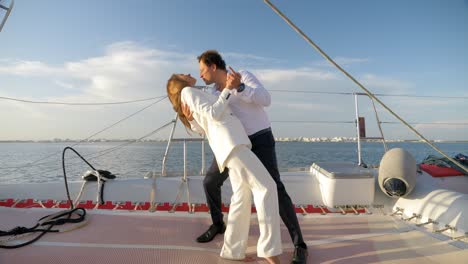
<point>355,211</point>
<point>447,227</point>
<point>323,210</point>
<point>429,221</point>
<point>399,211</point>
<point>461,237</point>
<point>418,216</point>
<point>304,212</point>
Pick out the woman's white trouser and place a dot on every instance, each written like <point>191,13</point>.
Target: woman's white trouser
<point>248,176</point>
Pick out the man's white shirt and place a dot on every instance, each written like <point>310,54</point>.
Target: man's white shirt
<point>249,104</point>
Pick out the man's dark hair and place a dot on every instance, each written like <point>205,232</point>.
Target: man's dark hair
<point>211,57</point>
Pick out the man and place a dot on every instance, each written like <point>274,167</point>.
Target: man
<point>248,103</point>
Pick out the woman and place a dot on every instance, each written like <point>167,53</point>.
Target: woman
<point>212,116</point>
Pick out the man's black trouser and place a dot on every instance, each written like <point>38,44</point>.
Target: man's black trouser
<point>263,146</point>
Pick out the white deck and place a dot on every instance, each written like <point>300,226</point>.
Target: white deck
<point>142,237</point>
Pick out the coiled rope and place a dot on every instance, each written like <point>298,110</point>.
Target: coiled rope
<point>46,223</point>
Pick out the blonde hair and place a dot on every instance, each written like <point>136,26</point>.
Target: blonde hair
<point>175,85</point>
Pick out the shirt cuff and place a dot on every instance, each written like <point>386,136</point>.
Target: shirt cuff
<point>246,94</point>
<point>225,94</point>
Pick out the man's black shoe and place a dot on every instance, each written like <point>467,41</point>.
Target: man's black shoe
<point>300,255</point>
<point>211,233</point>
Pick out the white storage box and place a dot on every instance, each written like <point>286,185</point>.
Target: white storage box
<point>344,183</point>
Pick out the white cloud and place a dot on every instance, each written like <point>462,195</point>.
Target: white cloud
<point>380,84</point>
<point>282,75</point>
<point>127,70</point>
<point>248,61</point>
<point>30,68</point>
<point>28,111</point>
<point>443,124</point>
<point>124,70</point>
<point>309,106</point>
<point>65,85</point>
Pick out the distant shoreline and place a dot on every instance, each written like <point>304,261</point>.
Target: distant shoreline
<point>299,139</point>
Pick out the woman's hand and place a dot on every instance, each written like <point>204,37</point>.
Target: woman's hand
<point>187,113</point>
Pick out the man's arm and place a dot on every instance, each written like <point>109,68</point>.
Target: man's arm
<point>254,92</point>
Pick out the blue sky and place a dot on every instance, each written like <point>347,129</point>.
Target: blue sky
<point>106,51</point>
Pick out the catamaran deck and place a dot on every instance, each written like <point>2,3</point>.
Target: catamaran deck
<point>162,237</point>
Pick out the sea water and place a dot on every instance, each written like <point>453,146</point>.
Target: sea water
<point>42,162</point>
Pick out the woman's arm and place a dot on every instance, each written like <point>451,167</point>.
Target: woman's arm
<point>194,126</point>
<point>198,102</point>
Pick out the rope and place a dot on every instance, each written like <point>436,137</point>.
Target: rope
<point>379,122</point>
<point>8,10</point>
<point>312,92</point>
<point>79,104</point>
<point>88,104</point>
<point>43,225</point>
<point>78,197</point>
<point>393,95</point>
<point>433,123</point>
<point>312,121</point>
<point>359,84</point>
<point>379,125</point>
<point>65,173</point>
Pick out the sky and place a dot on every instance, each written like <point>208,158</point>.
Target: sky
<point>110,51</point>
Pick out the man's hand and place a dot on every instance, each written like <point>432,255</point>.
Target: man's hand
<point>187,113</point>
<point>233,79</point>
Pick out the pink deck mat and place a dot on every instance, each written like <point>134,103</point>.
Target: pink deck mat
<point>118,237</point>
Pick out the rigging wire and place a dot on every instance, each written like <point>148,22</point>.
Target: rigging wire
<point>381,122</point>
<point>204,87</point>
<point>109,150</point>
<point>313,121</point>
<point>379,94</point>
<point>273,121</point>
<point>104,152</point>
<point>369,93</point>
<point>89,137</point>
<point>428,123</point>
<point>79,104</point>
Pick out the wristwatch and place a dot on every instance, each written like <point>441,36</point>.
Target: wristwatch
<point>241,88</point>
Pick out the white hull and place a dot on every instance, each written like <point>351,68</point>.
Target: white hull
<point>140,236</point>
<point>430,199</point>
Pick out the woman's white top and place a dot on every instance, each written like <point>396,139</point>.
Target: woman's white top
<point>213,117</point>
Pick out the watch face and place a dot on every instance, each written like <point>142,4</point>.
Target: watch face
<point>241,88</point>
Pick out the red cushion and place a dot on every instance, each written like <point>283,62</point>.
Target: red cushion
<point>436,171</point>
